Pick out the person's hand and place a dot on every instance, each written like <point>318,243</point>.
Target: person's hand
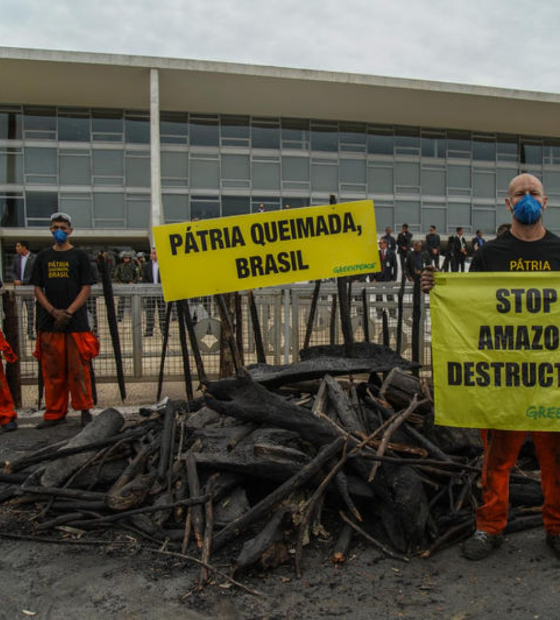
<point>17,282</point>
<point>61,318</point>
<point>427,280</point>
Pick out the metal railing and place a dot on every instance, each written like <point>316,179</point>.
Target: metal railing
<point>283,314</point>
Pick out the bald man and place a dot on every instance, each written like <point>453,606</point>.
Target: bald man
<point>539,250</point>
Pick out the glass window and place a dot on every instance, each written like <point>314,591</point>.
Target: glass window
<point>108,167</point>
<point>11,166</point>
<point>324,177</point>
<point>10,124</point>
<point>266,175</point>
<point>353,137</point>
<point>551,153</point>
<point>552,218</point>
<point>531,153</point>
<point>407,142</point>
<point>433,145</point>
<point>324,137</point>
<point>235,167</point>
<point>380,180</point>
<point>204,130</point>
<point>459,214</point>
<point>137,129</point>
<point>353,171</point>
<point>175,208</point>
<point>433,182</point>
<point>39,123</point>
<point>108,209</point>
<point>434,216</point>
<point>40,206</point>
<point>484,185</point>
<point>79,207</point>
<point>407,175</point>
<point>295,168</point>
<point>12,210</point>
<point>294,203</point>
<point>40,165</point>
<point>408,212</point>
<point>459,144</point>
<point>507,148</point>
<point>205,173</point>
<point>295,133</point>
<point>138,210</point>
<point>380,141</point>
<point>459,177</point>
<point>551,182</point>
<point>270,203</point>
<point>235,205</point>
<point>74,128</point>
<point>235,130</point>
<point>107,125</point>
<point>503,178</point>
<point>75,169</point>
<point>484,150</point>
<point>137,171</point>
<point>384,216</point>
<point>174,168</point>
<point>265,134</point>
<point>204,207</point>
<point>173,127</point>
<point>484,220</point>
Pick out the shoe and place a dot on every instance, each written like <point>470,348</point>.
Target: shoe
<point>86,417</point>
<point>9,426</point>
<point>51,423</point>
<point>554,543</point>
<point>481,544</point>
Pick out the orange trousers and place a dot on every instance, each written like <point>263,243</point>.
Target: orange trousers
<point>501,449</point>
<point>65,362</point>
<point>7,410</point>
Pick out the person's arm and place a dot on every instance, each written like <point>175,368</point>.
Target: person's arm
<point>59,316</point>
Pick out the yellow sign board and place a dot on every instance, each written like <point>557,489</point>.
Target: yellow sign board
<point>229,254</point>
<point>495,342</point>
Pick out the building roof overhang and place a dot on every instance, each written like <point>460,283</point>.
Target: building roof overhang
<point>80,79</point>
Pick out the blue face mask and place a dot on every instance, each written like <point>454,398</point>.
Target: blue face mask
<point>528,210</point>
<point>60,236</point>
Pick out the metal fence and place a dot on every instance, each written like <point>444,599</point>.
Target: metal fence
<point>283,314</point>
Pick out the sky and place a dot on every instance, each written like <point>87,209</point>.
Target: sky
<point>500,43</point>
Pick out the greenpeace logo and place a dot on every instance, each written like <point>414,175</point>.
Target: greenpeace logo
<point>351,268</point>
<point>537,413</point>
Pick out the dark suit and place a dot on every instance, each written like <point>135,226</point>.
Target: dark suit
<point>404,243</point>
<point>457,249</point>
<point>15,274</point>
<point>388,273</point>
<point>152,302</point>
<point>415,264</point>
<point>433,243</point>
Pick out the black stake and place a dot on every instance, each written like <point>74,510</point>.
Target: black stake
<point>194,343</point>
<point>365,313</point>
<point>400,315</point>
<point>112,320</point>
<point>259,346</point>
<point>185,351</point>
<point>311,316</point>
<point>164,349</point>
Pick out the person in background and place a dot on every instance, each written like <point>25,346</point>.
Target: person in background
<point>433,245</point>
<point>404,242</point>
<point>478,241</point>
<point>261,208</point>
<point>457,248</point>
<point>22,267</point>
<point>389,239</point>
<point>65,344</point>
<point>125,273</point>
<point>416,261</point>
<point>387,273</point>
<point>151,275</point>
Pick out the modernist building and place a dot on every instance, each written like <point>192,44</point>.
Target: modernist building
<point>126,142</point>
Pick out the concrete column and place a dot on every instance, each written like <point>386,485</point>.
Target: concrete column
<point>156,215</point>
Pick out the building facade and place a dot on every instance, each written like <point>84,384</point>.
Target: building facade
<point>123,143</point>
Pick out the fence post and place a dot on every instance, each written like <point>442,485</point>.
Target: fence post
<point>11,331</point>
<point>136,311</point>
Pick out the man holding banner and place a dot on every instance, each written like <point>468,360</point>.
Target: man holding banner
<point>527,247</point>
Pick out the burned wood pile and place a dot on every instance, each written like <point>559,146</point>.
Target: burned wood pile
<point>266,461</point>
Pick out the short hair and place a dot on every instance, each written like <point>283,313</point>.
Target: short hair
<point>59,216</point>
<point>25,244</point>
<point>405,225</point>
<point>459,228</point>
<point>478,232</point>
<point>503,228</point>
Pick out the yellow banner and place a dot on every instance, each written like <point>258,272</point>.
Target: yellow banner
<point>266,249</point>
<point>495,340</point>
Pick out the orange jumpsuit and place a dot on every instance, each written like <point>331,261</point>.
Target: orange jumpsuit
<point>7,410</point>
<point>65,359</point>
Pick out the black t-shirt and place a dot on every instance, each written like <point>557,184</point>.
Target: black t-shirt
<point>61,275</point>
<point>508,253</point>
